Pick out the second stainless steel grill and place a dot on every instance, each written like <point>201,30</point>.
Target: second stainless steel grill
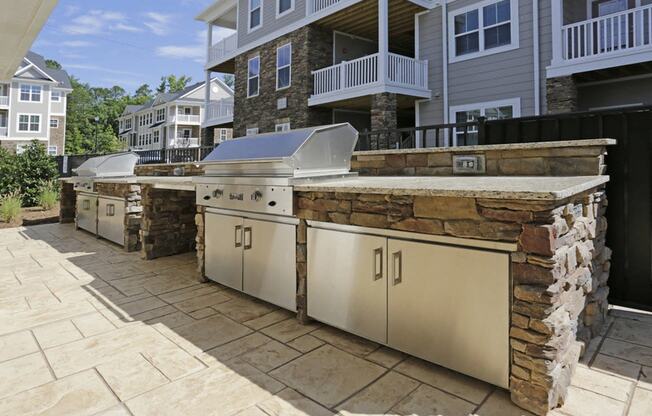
<point>250,241</point>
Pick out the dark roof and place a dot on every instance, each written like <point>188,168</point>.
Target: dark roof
<point>58,75</point>
<point>157,124</point>
<point>124,132</point>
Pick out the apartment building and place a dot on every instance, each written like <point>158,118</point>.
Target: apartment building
<point>398,63</point>
<point>179,120</point>
<point>33,106</point>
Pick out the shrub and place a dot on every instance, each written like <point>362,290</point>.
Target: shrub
<point>8,182</point>
<point>31,170</point>
<point>10,206</point>
<point>48,195</point>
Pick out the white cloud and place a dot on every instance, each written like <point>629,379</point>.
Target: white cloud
<point>182,52</point>
<point>76,44</point>
<point>97,68</point>
<point>158,23</point>
<point>126,28</point>
<point>93,23</point>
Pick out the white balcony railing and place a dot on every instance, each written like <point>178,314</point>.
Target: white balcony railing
<point>220,111</point>
<point>222,48</point>
<point>184,142</point>
<point>315,6</point>
<point>601,36</point>
<point>3,132</point>
<point>4,100</point>
<point>186,118</point>
<point>402,71</point>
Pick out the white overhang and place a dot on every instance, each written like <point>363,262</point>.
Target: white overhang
<point>20,23</point>
<point>221,12</point>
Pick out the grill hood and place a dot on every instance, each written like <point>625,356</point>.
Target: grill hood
<point>117,164</point>
<point>312,151</point>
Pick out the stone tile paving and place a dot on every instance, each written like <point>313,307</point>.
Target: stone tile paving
<point>86,329</point>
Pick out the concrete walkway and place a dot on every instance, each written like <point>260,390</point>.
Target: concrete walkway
<point>86,329</point>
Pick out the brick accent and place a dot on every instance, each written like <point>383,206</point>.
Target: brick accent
<point>168,222</point>
<point>312,48</point>
<point>58,135</point>
<point>67,203</point>
<point>561,95</point>
<point>133,211</point>
<point>559,273</point>
<point>383,117</point>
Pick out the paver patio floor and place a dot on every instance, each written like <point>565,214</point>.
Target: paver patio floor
<point>86,329</point>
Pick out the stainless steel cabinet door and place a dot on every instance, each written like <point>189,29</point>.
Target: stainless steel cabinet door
<point>270,271</point>
<point>347,284</point>
<point>87,212</point>
<point>110,219</point>
<point>224,249</point>
<point>450,306</point>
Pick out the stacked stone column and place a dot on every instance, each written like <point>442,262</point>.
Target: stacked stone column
<point>67,202</point>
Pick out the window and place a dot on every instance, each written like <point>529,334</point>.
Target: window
<point>252,131</point>
<point>52,150</point>
<point>253,76</point>
<point>160,114</point>
<point>478,31</point>
<point>187,111</point>
<point>29,92</point>
<point>494,110</point>
<point>156,136</point>
<point>223,135</point>
<point>54,123</point>
<point>255,14</point>
<point>29,123</point>
<point>187,133</point>
<point>127,124</point>
<point>150,118</point>
<point>282,127</point>
<point>55,96</point>
<point>283,66</point>
<point>284,7</point>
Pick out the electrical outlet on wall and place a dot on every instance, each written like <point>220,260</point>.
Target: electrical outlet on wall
<point>469,164</point>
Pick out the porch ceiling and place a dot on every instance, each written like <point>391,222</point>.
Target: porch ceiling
<point>362,20</point>
<point>364,103</point>
<point>642,68</point>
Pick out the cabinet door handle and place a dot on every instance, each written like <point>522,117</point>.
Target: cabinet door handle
<point>397,268</point>
<point>86,205</point>
<point>247,241</point>
<point>238,236</point>
<point>378,263</point>
<point>110,210</point>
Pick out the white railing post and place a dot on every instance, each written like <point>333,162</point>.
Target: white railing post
<point>557,11</point>
<point>383,40</point>
<point>341,82</point>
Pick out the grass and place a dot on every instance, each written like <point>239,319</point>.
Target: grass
<point>10,205</point>
<point>48,196</point>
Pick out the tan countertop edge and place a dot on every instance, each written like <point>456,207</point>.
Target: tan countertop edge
<point>509,146</point>
<point>524,188</point>
<point>183,183</point>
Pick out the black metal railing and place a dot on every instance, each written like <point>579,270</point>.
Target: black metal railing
<point>177,155</point>
<point>437,135</point>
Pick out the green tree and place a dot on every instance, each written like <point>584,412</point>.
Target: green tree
<point>33,168</point>
<point>144,91</point>
<point>170,83</point>
<point>51,63</point>
<point>229,80</point>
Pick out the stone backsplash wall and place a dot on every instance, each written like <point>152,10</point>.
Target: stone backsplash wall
<point>133,210</point>
<point>557,161</point>
<point>173,169</point>
<point>67,202</point>
<point>168,222</point>
<point>200,245</point>
<point>559,271</point>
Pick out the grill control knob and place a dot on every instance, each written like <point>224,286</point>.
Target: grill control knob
<point>218,193</point>
<point>257,196</point>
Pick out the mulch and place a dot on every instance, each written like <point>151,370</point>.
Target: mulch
<point>34,216</point>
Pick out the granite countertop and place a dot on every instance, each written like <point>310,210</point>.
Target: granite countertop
<point>515,187</point>
<point>488,147</point>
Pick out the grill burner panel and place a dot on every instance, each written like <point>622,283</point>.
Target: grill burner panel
<point>254,198</point>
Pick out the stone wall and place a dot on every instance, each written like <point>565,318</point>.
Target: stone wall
<point>562,95</point>
<point>555,161</point>
<point>168,222</point>
<point>383,117</point>
<point>133,210</point>
<point>67,202</point>
<point>200,242</point>
<point>169,169</point>
<point>559,271</point>
<point>312,48</point>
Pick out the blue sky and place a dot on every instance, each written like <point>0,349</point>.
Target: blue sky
<point>126,42</point>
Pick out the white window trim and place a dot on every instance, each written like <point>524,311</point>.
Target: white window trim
<point>20,87</point>
<point>282,126</point>
<point>59,94</point>
<point>249,10</point>
<point>515,103</point>
<point>257,76</point>
<point>288,11</point>
<point>286,66</point>
<point>57,123</point>
<point>514,27</point>
<point>54,150</point>
<point>40,119</point>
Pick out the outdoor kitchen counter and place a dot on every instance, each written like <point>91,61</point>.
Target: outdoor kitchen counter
<point>523,187</point>
<point>162,182</point>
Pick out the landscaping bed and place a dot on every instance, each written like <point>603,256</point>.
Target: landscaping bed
<point>34,216</point>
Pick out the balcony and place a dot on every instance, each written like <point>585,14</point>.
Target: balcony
<point>4,101</point>
<point>608,41</point>
<point>222,50</point>
<point>360,77</point>
<point>219,112</point>
<point>186,119</point>
<point>315,6</point>
<point>182,142</point>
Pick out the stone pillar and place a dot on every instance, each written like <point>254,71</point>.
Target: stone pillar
<point>383,117</point>
<point>67,203</point>
<point>302,272</point>
<point>207,136</point>
<point>561,95</point>
<point>200,242</point>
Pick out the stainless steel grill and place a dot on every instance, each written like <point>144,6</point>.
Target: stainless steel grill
<point>250,228</point>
